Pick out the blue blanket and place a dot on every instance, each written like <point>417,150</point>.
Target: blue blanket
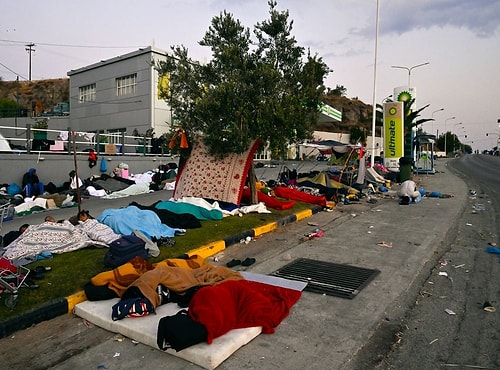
<point>125,220</point>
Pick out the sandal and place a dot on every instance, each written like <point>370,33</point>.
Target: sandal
<point>233,263</point>
<point>248,262</point>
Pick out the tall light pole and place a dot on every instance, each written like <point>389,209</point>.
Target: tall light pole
<point>372,157</point>
<point>432,116</point>
<point>498,137</point>
<point>445,134</point>
<point>409,69</point>
<point>460,124</point>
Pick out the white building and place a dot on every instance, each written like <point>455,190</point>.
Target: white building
<point>119,95</point>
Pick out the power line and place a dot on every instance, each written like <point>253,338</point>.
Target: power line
<point>14,72</point>
<point>75,46</point>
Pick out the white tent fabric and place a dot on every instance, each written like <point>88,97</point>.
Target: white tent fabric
<point>4,144</point>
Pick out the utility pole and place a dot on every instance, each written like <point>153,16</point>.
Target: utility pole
<point>29,49</point>
<point>17,101</point>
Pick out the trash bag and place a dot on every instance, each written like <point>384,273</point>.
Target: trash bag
<point>14,189</point>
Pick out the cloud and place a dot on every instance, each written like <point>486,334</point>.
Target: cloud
<point>481,17</point>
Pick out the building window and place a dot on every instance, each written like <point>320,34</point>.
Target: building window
<point>86,93</point>
<point>126,85</point>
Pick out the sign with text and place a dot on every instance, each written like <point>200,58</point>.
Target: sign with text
<point>393,134</point>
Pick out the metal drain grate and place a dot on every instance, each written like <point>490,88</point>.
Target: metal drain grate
<point>328,278</point>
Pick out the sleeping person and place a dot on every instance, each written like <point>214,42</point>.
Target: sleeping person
<point>95,229</point>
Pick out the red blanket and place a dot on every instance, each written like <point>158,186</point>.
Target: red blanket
<point>241,304</point>
<point>270,202</point>
<point>289,193</point>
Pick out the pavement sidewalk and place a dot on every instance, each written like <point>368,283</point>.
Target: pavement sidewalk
<point>324,331</point>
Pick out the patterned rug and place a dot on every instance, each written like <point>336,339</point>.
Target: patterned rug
<point>206,177</point>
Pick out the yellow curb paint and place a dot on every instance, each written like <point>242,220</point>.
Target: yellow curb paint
<point>303,214</point>
<point>265,229</point>
<point>74,299</point>
<point>208,250</point>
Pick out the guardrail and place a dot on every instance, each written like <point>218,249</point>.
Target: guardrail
<point>29,139</point>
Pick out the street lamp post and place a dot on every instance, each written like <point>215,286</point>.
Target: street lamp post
<point>456,136</point>
<point>432,116</point>
<point>445,134</point>
<point>498,138</point>
<point>409,69</point>
<point>372,159</point>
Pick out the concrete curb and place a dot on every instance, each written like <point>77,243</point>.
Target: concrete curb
<point>66,305</point>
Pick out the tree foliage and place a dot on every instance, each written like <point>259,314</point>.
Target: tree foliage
<point>453,143</point>
<point>339,90</point>
<point>8,108</point>
<point>410,121</point>
<point>266,88</point>
<point>357,135</point>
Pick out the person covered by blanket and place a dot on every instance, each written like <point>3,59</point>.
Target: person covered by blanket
<point>13,235</point>
<point>408,193</point>
<point>95,229</point>
<point>53,220</point>
<point>31,184</point>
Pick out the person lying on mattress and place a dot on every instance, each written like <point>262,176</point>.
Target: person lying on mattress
<point>140,278</point>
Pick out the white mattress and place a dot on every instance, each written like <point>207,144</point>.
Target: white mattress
<point>144,329</point>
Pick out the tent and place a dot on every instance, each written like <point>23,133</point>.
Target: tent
<point>329,147</point>
<point>4,144</point>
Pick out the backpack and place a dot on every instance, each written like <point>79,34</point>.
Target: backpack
<point>122,250</point>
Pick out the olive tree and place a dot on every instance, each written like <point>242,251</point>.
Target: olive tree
<point>264,88</point>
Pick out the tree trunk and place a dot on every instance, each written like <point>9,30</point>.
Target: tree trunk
<point>252,184</point>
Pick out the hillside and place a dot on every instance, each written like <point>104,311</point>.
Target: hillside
<point>38,96</point>
<point>354,113</point>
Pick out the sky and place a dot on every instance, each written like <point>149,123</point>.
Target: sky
<point>459,39</point>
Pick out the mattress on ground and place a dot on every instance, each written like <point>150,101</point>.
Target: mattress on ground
<point>144,329</point>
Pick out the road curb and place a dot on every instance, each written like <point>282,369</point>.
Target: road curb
<point>66,305</point>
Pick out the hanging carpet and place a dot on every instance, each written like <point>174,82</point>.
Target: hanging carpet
<point>204,176</point>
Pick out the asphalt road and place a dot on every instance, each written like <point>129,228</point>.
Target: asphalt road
<point>397,322</point>
<point>462,281</point>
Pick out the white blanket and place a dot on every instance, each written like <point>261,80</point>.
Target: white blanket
<point>48,236</point>
<point>134,189</point>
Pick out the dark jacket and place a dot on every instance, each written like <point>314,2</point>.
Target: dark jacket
<point>30,177</point>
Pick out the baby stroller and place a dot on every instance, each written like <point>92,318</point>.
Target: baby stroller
<point>11,279</point>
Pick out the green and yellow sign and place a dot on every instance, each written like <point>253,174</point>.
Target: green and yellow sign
<point>393,134</point>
